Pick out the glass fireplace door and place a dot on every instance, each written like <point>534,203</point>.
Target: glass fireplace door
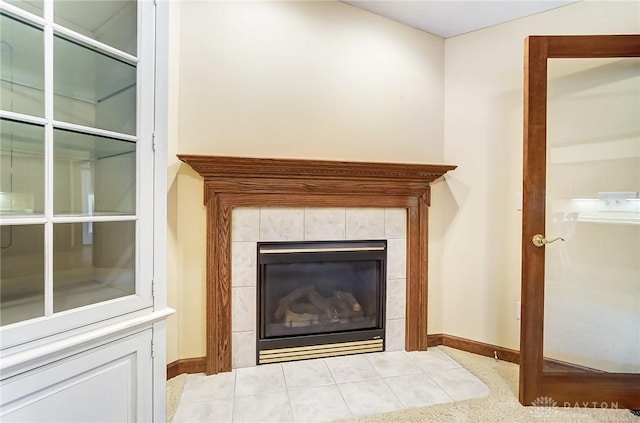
<point>320,293</point>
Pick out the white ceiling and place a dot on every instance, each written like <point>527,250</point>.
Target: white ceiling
<point>448,18</point>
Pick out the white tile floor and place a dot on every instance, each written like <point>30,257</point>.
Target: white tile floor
<point>328,389</point>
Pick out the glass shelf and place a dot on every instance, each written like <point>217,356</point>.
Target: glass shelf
<point>32,6</point>
<point>21,169</point>
<point>111,22</point>
<point>22,273</point>
<point>92,262</point>
<point>21,67</point>
<point>93,89</point>
<point>93,175</point>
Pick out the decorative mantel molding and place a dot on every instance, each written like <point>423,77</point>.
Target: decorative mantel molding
<point>241,167</point>
<point>249,182</point>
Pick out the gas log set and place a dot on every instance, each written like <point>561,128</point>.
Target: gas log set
<point>304,306</point>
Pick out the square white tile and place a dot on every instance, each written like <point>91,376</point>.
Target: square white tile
<point>396,258</point>
<point>351,368</point>
<point>268,408</point>
<point>395,335</point>
<point>318,404</point>
<point>306,374</point>
<point>243,349</point>
<point>365,223</point>
<point>417,390</point>
<point>393,363</point>
<point>259,380</point>
<point>200,387</point>
<point>460,384</point>
<point>245,224</point>
<point>396,298</point>
<point>280,224</point>
<point>395,223</point>
<point>434,359</point>
<point>243,263</point>
<point>324,224</point>
<point>204,412</point>
<point>243,309</point>
<point>369,397</point>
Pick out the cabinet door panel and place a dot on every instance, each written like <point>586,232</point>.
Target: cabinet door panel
<point>110,383</point>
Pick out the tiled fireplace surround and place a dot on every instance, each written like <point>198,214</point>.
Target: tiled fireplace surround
<point>253,199</point>
<point>251,225</point>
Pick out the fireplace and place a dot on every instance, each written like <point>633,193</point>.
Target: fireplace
<point>233,182</point>
<point>320,299</point>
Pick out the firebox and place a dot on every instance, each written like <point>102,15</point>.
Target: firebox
<point>320,299</point>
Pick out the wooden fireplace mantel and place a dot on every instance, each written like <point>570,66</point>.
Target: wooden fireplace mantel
<point>250,182</point>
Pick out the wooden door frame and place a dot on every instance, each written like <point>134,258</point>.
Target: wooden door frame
<point>562,388</point>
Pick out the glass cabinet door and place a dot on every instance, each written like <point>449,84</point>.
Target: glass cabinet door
<point>21,66</point>
<point>75,146</point>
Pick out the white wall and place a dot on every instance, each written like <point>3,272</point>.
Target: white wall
<point>307,80</point>
<point>483,136</point>
<point>319,80</point>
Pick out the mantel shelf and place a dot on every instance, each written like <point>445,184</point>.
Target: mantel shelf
<point>210,167</point>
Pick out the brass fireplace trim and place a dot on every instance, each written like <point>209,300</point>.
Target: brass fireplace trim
<point>248,182</point>
<point>320,250</point>
<point>319,351</point>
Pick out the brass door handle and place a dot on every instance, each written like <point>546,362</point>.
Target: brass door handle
<point>540,241</point>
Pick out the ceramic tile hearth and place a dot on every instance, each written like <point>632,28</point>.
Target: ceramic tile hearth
<point>328,389</point>
<point>252,225</point>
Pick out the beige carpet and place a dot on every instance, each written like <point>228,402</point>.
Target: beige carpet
<point>174,392</point>
<point>500,406</point>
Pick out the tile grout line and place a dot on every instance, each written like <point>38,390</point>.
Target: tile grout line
<point>424,372</point>
<point>337,385</point>
<point>345,224</point>
<point>324,360</point>
<point>404,406</point>
<point>233,399</point>
<point>385,382</point>
<point>443,390</point>
<point>371,364</point>
<point>340,390</point>
<point>430,378</point>
<point>358,381</point>
<point>384,225</point>
<point>304,223</point>
<point>286,391</point>
<point>460,366</point>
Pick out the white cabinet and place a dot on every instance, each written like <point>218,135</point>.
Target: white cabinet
<point>109,383</point>
<point>82,210</point>
<point>77,161</point>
